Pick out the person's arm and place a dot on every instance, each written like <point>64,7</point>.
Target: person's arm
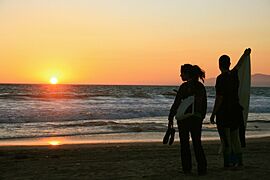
<point>218,102</point>
<point>175,106</point>
<point>241,60</point>
<point>219,97</point>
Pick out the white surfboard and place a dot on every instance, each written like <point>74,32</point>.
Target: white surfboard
<point>184,105</point>
<point>244,76</point>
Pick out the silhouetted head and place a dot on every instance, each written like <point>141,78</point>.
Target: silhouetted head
<point>189,72</point>
<point>224,62</point>
<point>185,72</point>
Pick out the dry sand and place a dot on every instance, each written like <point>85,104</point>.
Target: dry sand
<point>126,161</point>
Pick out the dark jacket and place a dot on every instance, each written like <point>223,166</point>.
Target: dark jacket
<point>190,88</point>
<point>230,112</point>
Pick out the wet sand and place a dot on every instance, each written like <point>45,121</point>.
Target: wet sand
<point>126,161</point>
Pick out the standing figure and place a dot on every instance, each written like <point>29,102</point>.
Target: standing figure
<point>190,123</point>
<point>228,111</point>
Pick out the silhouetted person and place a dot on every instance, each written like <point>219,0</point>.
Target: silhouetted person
<point>228,111</point>
<point>193,123</point>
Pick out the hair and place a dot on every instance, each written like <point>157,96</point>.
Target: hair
<point>224,62</point>
<point>194,71</point>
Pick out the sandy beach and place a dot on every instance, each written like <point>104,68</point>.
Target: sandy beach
<point>126,161</point>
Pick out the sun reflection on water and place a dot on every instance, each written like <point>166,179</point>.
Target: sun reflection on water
<point>54,143</point>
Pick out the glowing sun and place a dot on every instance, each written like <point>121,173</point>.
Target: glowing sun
<point>53,80</point>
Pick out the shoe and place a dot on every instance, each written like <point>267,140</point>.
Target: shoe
<point>167,136</point>
<point>172,136</point>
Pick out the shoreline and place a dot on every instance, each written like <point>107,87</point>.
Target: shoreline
<point>122,138</point>
<point>126,143</point>
<point>150,160</point>
<point>146,129</point>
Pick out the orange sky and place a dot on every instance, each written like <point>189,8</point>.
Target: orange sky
<point>125,41</point>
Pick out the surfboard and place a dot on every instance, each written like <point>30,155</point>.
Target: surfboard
<point>185,104</point>
<point>244,76</point>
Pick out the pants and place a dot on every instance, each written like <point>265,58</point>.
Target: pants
<point>191,126</point>
<point>231,146</point>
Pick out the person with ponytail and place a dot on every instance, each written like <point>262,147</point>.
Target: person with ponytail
<point>191,121</point>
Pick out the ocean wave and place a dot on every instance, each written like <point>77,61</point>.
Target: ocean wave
<point>40,103</point>
<point>140,95</point>
<point>139,127</point>
<point>49,96</point>
<point>258,121</point>
<point>89,127</point>
<point>123,126</point>
<point>73,96</point>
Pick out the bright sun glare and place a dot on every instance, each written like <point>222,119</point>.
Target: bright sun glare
<point>53,80</point>
<point>54,143</point>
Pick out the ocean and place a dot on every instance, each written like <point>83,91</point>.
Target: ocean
<point>105,113</point>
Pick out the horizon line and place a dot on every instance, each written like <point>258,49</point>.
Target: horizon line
<point>104,84</point>
<point>89,84</point>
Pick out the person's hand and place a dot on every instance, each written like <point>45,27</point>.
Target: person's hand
<point>212,119</point>
<point>247,51</point>
<point>170,124</point>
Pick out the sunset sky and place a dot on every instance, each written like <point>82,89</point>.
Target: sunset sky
<point>127,41</point>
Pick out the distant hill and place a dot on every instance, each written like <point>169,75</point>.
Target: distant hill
<point>260,80</point>
<point>257,80</point>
